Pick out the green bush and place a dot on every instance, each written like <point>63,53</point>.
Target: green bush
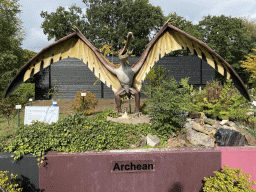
<point>229,180</point>
<point>7,184</point>
<point>221,101</point>
<point>169,100</point>
<point>75,134</point>
<point>90,102</point>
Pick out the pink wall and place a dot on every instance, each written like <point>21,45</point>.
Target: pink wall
<point>174,169</point>
<point>240,157</point>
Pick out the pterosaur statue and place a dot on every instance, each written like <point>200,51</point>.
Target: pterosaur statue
<point>125,79</point>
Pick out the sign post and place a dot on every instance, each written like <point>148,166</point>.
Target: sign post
<point>30,101</point>
<point>83,95</point>
<point>18,107</point>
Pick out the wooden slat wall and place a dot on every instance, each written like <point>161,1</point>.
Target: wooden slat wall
<point>72,75</point>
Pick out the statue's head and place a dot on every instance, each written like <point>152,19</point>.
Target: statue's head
<point>124,53</point>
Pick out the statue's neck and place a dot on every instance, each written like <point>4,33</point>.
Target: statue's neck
<point>124,63</point>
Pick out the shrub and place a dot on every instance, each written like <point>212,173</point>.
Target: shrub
<point>154,79</point>
<point>75,134</point>
<point>221,101</point>
<point>90,102</point>
<point>169,101</point>
<point>229,180</point>
<point>7,184</point>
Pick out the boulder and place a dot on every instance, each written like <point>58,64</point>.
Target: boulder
<point>209,128</point>
<point>143,140</point>
<point>229,127</point>
<point>223,122</point>
<point>209,121</point>
<point>228,137</point>
<point>153,140</point>
<point>194,114</point>
<point>189,124</point>
<point>201,139</point>
<point>198,127</point>
<point>250,140</point>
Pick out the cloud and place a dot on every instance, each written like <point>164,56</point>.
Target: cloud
<point>36,40</point>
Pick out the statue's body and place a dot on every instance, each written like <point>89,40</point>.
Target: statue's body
<point>125,75</point>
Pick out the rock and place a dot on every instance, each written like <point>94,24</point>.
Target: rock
<point>153,140</point>
<point>143,140</point>
<point>227,137</point>
<point>223,122</point>
<point>189,125</point>
<point>209,128</point>
<point>202,115</point>
<point>198,127</point>
<point>209,121</point>
<point>133,145</point>
<point>231,124</point>
<point>228,127</point>
<point>250,113</point>
<point>197,138</point>
<point>250,140</point>
<point>194,114</point>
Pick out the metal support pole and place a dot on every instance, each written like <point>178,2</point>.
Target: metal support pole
<point>83,106</point>
<point>18,107</point>
<point>18,117</point>
<point>30,101</point>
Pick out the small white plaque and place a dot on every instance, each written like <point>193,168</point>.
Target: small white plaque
<point>18,106</point>
<point>30,99</point>
<point>45,114</point>
<point>254,103</point>
<point>83,94</point>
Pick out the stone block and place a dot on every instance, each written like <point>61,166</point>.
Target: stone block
<point>250,140</point>
<point>198,127</point>
<point>209,121</point>
<point>223,122</point>
<point>199,139</point>
<point>153,140</point>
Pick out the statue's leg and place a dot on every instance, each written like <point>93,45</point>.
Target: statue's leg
<point>118,101</point>
<point>137,99</point>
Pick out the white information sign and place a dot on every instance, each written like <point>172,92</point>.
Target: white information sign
<point>46,114</point>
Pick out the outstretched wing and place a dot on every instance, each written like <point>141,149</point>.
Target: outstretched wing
<point>170,38</point>
<point>74,45</point>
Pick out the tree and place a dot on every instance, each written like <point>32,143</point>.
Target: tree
<point>228,37</point>
<point>250,65</point>
<point>60,23</point>
<point>7,106</point>
<point>108,22</point>
<point>11,36</point>
<point>7,76</point>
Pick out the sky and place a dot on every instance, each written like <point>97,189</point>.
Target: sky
<point>192,10</point>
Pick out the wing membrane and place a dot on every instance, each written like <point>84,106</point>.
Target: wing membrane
<point>170,38</point>
<point>74,45</point>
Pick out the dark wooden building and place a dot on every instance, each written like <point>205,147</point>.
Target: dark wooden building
<point>72,75</point>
